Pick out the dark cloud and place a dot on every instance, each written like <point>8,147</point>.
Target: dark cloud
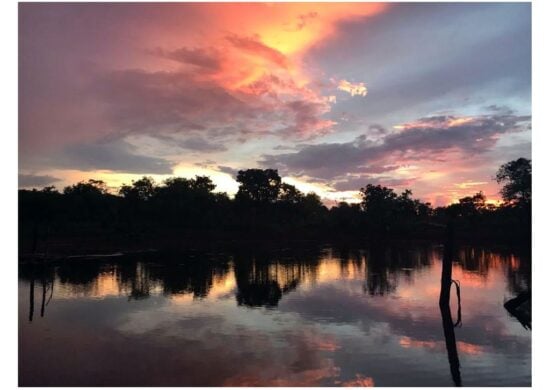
<point>230,171</point>
<point>354,183</point>
<point>117,156</point>
<point>428,138</point>
<point>30,180</point>
<point>441,133</point>
<point>321,161</point>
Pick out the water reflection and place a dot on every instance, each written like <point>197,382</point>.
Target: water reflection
<point>317,316</point>
<point>445,308</point>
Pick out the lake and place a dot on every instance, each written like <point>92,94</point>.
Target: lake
<point>317,316</point>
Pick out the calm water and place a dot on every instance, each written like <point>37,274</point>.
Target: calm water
<point>318,317</point>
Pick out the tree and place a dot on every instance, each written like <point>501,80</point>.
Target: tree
<point>90,188</point>
<point>89,202</point>
<point>142,189</point>
<point>259,185</point>
<point>377,198</point>
<point>290,194</point>
<point>202,184</point>
<point>406,205</point>
<point>472,205</point>
<point>516,176</point>
<point>379,204</point>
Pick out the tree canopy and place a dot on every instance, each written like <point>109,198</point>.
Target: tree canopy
<point>266,206</point>
<point>516,176</point>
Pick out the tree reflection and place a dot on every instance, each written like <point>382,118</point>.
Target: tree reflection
<point>136,278</point>
<point>387,264</point>
<point>79,274</point>
<point>43,275</point>
<point>262,277</point>
<point>259,276</point>
<point>189,275</point>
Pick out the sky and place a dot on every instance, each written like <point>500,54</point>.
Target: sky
<point>428,96</point>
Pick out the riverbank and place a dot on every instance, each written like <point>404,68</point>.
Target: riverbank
<point>114,247</point>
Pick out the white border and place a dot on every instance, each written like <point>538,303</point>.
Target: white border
<point>541,200</point>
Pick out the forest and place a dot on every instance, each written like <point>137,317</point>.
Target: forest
<point>267,208</point>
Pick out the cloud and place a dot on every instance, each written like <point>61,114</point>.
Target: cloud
<point>139,101</point>
<point>230,171</point>
<point>469,134</point>
<point>97,71</point>
<point>208,59</point>
<point>430,138</point>
<point>354,183</point>
<point>254,46</point>
<point>378,129</point>
<point>193,143</point>
<point>30,180</point>
<point>489,58</point>
<point>116,156</point>
<point>142,101</point>
<point>354,89</point>
<point>359,381</point>
<point>201,145</point>
<point>307,121</point>
<point>250,76</point>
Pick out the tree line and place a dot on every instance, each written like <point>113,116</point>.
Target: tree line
<point>266,207</point>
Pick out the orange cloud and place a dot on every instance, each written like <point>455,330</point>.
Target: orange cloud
<point>469,349</point>
<point>437,122</point>
<point>354,89</point>
<point>255,47</point>
<point>307,378</point>
<point>468,184</point>
<point>359,381</point>
<point>407,342</point>
<point>258,53</point>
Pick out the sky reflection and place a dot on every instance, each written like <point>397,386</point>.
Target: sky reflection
<point>322,317</point>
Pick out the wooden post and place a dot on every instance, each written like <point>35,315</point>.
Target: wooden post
<point>444,307</point>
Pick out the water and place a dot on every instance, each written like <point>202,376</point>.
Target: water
<point>309,317</point>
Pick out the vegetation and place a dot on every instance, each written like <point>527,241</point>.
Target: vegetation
<point>265,207</point>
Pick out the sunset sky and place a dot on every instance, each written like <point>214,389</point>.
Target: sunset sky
<point>432,96</point>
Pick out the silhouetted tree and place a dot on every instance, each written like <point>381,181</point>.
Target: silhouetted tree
<point>379,205</point>
<point>259,185</point>
<point>266,207</point>
<point>91,188</point>
<point>517,178</point>
<point>142,189</point>
<point>468,207</point>
<point>290,194</point>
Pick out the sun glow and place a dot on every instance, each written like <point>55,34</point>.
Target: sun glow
<point>223,181</point>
